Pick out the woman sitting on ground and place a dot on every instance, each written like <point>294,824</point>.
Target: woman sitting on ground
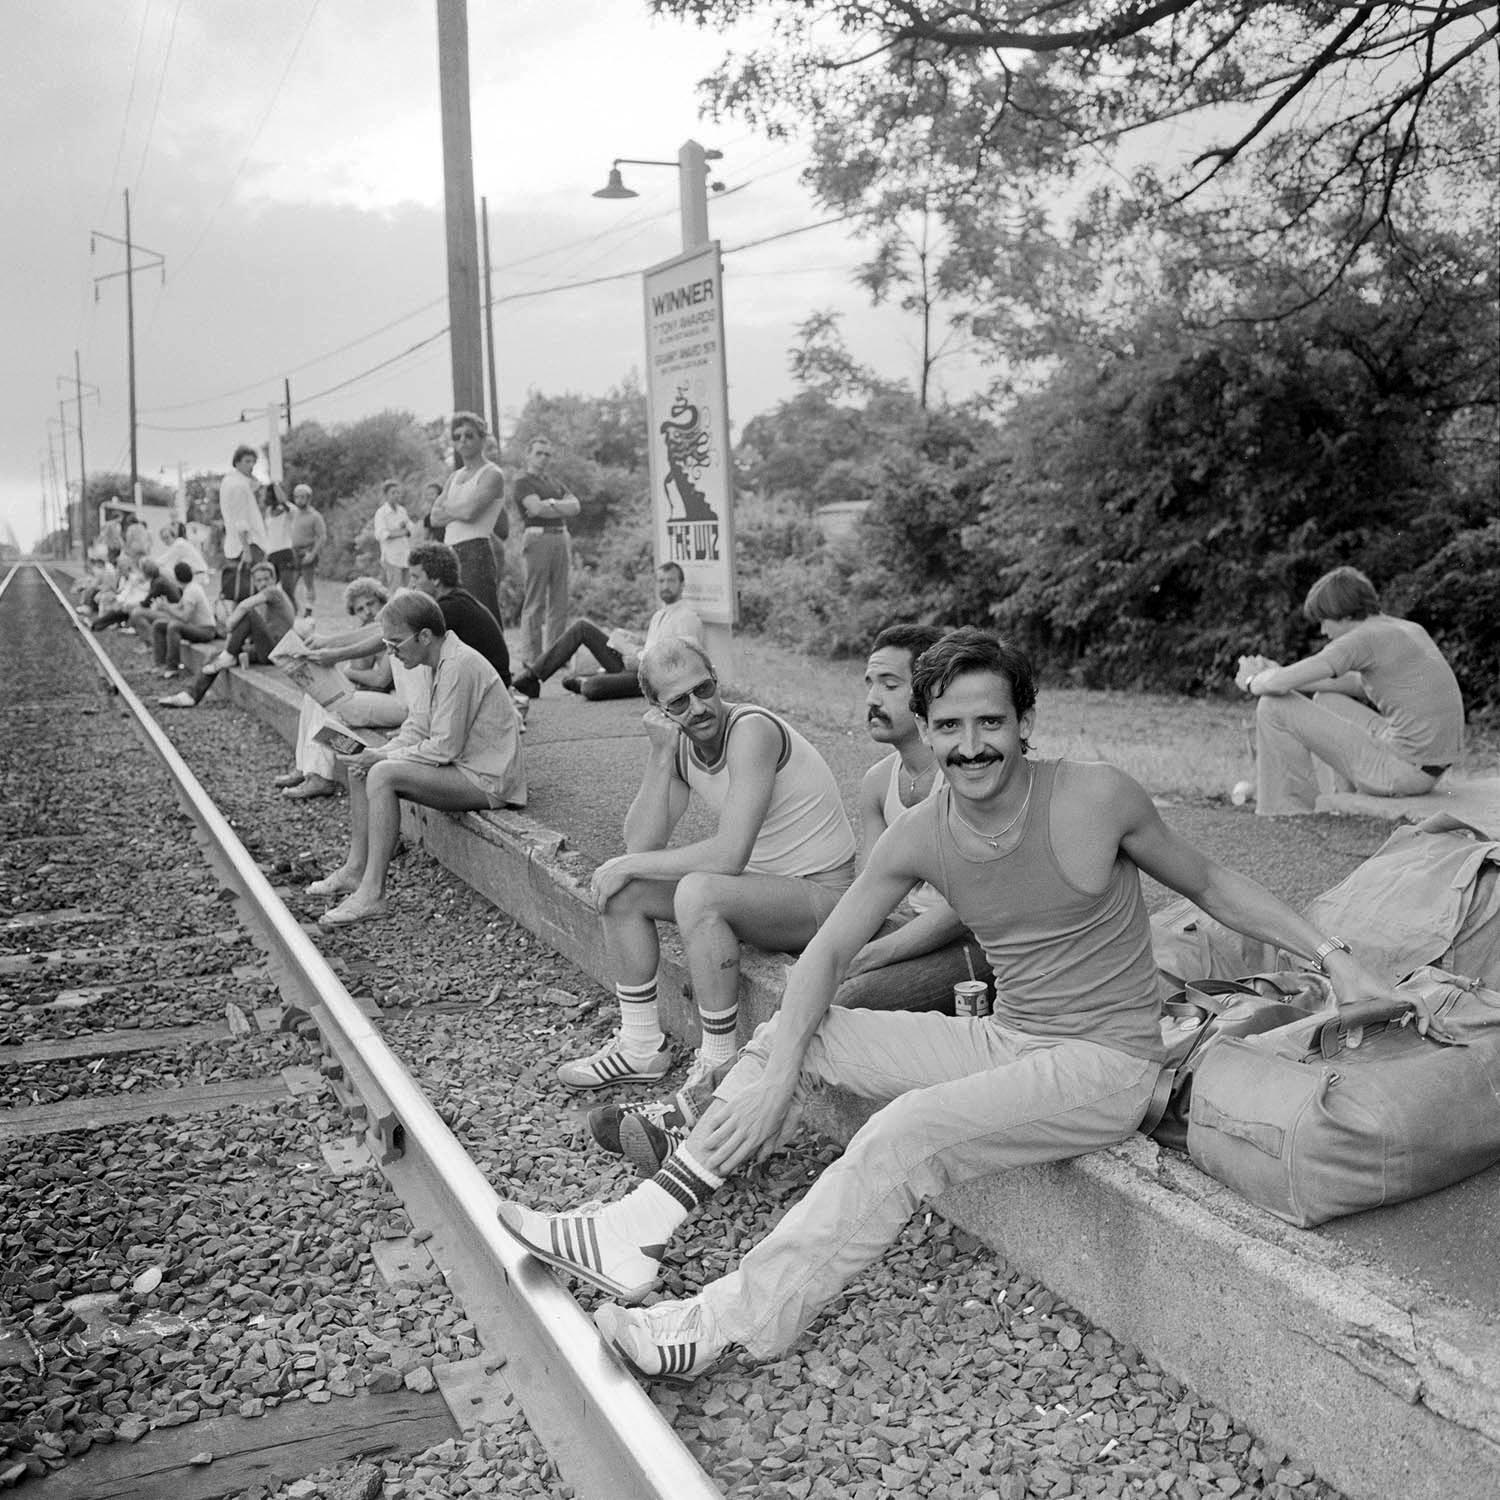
<point>1385,715</point>
<point>459,750</point>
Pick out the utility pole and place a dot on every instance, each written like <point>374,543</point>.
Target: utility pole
<point>489,320</point>
<point>286,383</point>
<point>464,339</point>
<point>62,442</point>
<point>79,386</point>
<point>129,274</point>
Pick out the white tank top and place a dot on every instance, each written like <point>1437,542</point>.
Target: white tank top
<point>805,830</point>
<point>923,897</point>
<point>483,524</point>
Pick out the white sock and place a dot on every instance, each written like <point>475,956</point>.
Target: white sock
<point>640,1026</point>
<point>718,1042</point>
<point>653,1211</point>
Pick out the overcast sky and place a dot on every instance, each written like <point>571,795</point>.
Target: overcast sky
<point>285,158</point>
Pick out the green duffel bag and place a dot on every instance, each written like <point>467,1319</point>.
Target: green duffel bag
<point>1332,1115</point>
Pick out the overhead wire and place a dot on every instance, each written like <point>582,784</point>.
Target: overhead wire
<point>245,159</point>
<point>161,84</point>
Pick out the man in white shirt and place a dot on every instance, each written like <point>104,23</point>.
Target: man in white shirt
<point>392,528</point>
<point>189,618</point>
<point>177,548</point>
<point>618,652</point>
<point>244,526</point>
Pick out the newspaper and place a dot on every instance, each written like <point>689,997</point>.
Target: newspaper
<point>326,686</point>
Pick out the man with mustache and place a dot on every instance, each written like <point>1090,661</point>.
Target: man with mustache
<point>779,859</point>
<point>923,950</point>
<point>1042,860</point>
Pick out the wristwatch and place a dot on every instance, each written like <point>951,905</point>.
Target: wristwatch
<point>1327,946</point>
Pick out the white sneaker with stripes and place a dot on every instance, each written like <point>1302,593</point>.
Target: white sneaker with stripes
<point>672,1341</point>
<point>613,1064</point>
<point>587,1243</point>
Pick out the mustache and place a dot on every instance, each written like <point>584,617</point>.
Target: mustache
<point>985,758</point>
<point>877,716</point>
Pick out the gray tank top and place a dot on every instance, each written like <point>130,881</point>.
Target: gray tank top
<point>1067,963</point>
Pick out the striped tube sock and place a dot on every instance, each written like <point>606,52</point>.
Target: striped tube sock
<point>652,1211</point>
<point>718,1042</point>
<point>640,1027</point>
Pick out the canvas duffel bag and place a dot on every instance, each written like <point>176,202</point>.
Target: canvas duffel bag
<point>1207,1008</point>
<point>1334,1114</point>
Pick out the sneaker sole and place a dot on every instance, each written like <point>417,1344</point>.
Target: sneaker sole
<point>640,1143</point>
<point>630,1295</point>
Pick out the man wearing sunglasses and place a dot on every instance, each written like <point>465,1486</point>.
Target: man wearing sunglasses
<point>774,867</point>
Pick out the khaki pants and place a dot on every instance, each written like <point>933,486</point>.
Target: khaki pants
<point>1343,734</point>
<point>966,1097</point>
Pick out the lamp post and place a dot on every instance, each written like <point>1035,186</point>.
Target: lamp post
<point>692,187</point>
<point>687,402</point>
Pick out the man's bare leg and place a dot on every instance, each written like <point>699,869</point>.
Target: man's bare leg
<point>716,915</point>
<point>638,1053</point>
<point>375,824</point>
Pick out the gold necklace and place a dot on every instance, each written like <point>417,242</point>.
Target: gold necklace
<point>911,781</point>
<point>993,839</point>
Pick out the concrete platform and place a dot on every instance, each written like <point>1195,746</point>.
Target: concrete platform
<point>1473,800</point>
<point>1368,1349</point>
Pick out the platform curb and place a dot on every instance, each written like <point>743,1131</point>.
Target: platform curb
<point>1382,1389</point>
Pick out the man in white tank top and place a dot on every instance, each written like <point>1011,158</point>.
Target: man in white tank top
<point>1043,859</point>
<point>780,857</point>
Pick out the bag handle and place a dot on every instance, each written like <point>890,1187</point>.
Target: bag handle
<point>1330,1038</point>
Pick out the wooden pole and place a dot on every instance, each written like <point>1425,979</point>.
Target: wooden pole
<point>464,335</point>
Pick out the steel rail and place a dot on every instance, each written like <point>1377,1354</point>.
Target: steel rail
<point>607,1438</point>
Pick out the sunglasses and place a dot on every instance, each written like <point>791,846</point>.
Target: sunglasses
<point>702,691</point>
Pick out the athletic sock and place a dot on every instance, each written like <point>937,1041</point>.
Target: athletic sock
<point>718,1042</point>
<point>640,1026</point>
<point>652,1211</point>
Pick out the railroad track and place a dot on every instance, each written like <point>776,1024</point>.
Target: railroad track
<point>161,1005</point>
<point>298,1280</point>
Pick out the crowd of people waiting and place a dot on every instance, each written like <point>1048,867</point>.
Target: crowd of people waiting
<point>982,862</point>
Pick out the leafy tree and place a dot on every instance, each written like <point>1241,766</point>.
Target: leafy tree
<point>1166,504</point>
<point>342,460</point>
<point>1047,138</point>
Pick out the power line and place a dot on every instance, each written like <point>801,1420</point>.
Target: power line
<point>570,286</point>
<point>161,84</point>
<point>245,159</point>
<point>135,69</point>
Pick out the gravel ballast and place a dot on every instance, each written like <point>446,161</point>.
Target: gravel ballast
<point>940,1372</point>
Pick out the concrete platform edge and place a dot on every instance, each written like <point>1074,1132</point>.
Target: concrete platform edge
<point>1380,1389</point>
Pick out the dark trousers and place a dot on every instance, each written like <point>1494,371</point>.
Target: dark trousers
<point>250,632</point>
<point>476,573</point>
<point>167,637</point>
<point>234,576</point>
<point>579,633</point>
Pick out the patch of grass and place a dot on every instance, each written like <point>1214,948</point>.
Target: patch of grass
<point>1176,747</point>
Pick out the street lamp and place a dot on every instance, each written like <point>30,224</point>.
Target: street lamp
<point>692,185</point>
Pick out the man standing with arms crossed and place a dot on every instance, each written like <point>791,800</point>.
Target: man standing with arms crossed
<point>1040,859</point>
<point>546,506</point>
<point>244,527</point>
<point>781,856</point>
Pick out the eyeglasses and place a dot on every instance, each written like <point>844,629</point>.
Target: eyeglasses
<point>702,691</point>
<point>394,646</point>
